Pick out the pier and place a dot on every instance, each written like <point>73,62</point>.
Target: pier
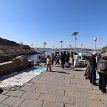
<point>59,88</point>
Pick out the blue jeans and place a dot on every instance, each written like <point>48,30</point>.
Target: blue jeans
<point>92,75</point>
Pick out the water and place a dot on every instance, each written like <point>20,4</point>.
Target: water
<point>48,52</point>
<point>39,68</point>
<point>32,57</point>
<point>35,56</point>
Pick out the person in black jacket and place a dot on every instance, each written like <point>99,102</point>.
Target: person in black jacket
<point>93,66</point>
<point>102,73</point>
<point>63,59</point>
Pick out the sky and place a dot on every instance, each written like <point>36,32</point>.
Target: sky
<point>34,22</point>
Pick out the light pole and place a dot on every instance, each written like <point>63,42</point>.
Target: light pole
<point>81,47</point>
<point>53,49</point>
<point>75,34</point>
<point>44,44</point>
<point>95,40</point>
<point>61,44</point>
<point>70,46</point>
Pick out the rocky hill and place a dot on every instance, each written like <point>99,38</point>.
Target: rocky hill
<point>10,49</point>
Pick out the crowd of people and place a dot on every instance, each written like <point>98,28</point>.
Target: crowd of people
<point>65,59</point>
<point>97,65</point>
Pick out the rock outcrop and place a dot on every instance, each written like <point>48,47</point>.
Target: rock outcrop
<point>14,65</point>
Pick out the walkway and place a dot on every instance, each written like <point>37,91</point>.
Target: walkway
<point>61,88</point>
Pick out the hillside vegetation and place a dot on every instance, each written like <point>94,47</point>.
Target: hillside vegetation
<point>104,49</point>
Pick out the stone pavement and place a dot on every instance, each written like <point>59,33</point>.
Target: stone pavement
<point>60,88</point>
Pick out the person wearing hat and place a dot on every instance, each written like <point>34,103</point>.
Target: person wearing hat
<point>93,66</point>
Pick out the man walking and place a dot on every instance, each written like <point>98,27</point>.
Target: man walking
<point>93,66</point>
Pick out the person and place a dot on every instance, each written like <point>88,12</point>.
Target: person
<point>67,59</point>
<point>75,59</point>
<point>38,59</point>
<point>63,58</point>
<point>53,58</point>
<point>57,59</point>
<point>72,54</point>
<point>48,63</point>
<point>71,60</point>
<point>87,71</point>
<point>93,67</point>
<point>102,70</point>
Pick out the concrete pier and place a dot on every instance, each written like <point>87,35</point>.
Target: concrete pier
<point>59,88</point>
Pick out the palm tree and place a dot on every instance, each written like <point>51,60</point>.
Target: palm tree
<point>75,34</point>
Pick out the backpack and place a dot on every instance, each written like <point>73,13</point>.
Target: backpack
<point>102,65</point>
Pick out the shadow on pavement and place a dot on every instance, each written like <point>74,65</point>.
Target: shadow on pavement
<point>59,72</point>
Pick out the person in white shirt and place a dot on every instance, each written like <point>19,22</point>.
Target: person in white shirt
<point>48,63</point>
<point>75,60</point>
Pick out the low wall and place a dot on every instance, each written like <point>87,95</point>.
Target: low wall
<point>8,67</point>
<point>12,66</point>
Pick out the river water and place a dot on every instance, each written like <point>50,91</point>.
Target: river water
<point>35,56</point>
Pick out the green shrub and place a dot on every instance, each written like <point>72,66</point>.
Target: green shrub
<point>104,49</point>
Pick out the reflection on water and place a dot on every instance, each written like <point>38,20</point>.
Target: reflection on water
<point>35,56</point>
<point>32,57</point>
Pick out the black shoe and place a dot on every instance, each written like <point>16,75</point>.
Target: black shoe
<point>104,92</point>
<point>100,88</point>
<point>95,84</point>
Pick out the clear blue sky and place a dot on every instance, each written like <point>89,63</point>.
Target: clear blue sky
<point>37,21</point>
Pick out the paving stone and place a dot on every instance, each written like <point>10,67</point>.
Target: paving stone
<point>7,88</point>
<point>67,99</point>
<point>5,91</point>
<point>82,102</point>
<point>70,93</point>
<point>96,104</point>
<point>3,97</point>
<point>27,88</point>
<point>3,105</point>
<point>96,92</point>
<point>31,95</point>
<point>13,101</point>
<point>31,103</point>
<point>29,84</point>
<point>16,93</point>
<point>84,86</point>
<point>47,97</point>
<point>55,89</point>
<point>52,104</point>
<point>42,90</point>
<point>69,105</point>
<point>56,92</point>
